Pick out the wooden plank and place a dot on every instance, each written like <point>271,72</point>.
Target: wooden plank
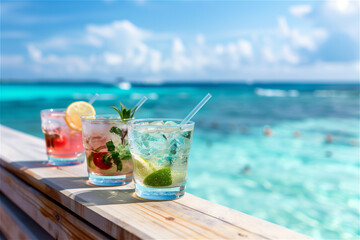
<point>118,212</point>
<point>15,224</point>
<point>58,222</point>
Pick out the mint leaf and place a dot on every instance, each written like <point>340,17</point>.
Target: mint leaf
<point>124,112</point>
<point>116,130</point>
<point>125,155</point>
<point>106,158</point>
<point>110,146</point>
<point>116,109</point>
<point>116,158</point>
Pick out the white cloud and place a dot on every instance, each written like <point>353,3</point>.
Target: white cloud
<point>178,46</point>
<point>118,30</point>
<point>219,49</point>
<point>121,48</point>
<point>340,16</point>
<point>137,55</point>
<point>178,61</point>
<point>300,10</point>
<point>344,6</point>
<point>112,59</point>
<point>231,55</point>
<point>268,54</point>
<point>155,61</point>
<point>300,40</point>
<point>284,28</point>
<point>245,48</point>
<point>93,41</point>
<point>308,40</point>
<point>56,42</point>
<point>200,39</point>
<point>34,52</point>
<point>289,55</point>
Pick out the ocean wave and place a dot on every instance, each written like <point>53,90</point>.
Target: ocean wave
<point>334,93</point>
<point>265,92</point>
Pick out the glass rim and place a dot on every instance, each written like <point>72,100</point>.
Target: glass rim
<point>134,122</point>
<point>103,117</point>
<point>61,111</point>
<point>53,110</point>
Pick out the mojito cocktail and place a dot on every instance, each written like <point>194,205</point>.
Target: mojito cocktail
<point>63,144</point>
<point>160,151</point>
<point>105,139</point>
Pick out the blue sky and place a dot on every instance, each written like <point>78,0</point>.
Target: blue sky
<point>189,40</point>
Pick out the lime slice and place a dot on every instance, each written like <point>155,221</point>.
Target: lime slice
<point>142,168</point>
<point>160,178</point>
<point>178,177</point>
<point>90,161</point>
<point>75,110</point>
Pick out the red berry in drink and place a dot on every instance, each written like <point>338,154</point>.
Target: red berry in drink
<point>98,159</point>
<point>59,141</point>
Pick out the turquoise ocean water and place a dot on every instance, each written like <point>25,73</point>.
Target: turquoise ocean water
<point>302,183</point>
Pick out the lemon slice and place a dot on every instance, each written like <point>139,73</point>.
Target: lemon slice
<point>75,110</point>
<point>142,168</point>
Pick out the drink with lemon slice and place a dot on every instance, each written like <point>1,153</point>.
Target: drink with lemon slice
<point>62,131</point>
<point>160,152</point>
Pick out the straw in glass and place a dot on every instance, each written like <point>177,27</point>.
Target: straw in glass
<point>196,109</point>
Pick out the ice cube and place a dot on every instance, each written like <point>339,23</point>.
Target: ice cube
<point>115,138</point>
<point>170,123</point>
<point>186,134</point>
<point>157,123</point>
<point>173,146</point>
<point>179,163</point>
<point>50,126</point>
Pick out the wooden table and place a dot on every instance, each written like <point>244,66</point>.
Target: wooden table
<point>42,202</point>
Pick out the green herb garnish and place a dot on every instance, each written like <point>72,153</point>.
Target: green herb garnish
<point>124,112</point>
<point>106,159</point>
<point>117,131</point>
<point>117,160</point>
<point>110,146</point>
<point>116,154</point>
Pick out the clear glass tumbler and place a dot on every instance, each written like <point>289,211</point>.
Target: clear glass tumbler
<point>63,144</point>
<point>105,139</point>
<point>160,151</point>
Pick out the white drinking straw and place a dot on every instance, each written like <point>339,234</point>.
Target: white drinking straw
<point>139,104</point>
<point>92,100</point>
<point>196,109</point>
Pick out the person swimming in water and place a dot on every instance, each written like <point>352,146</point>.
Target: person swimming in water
<point>246,169</point>
<point>297,134</point>
<point>267,131</point>
<point>353,142</point>
<point>329,138</point>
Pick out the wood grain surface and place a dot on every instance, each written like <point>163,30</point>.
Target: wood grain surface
<point>116,210</point>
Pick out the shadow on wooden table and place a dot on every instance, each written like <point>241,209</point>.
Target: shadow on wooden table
<point>95,195</point>
<point>30,164</point>
<point>108,197</point>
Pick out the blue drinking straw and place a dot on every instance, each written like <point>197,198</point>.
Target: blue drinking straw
<point>196,109</point>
